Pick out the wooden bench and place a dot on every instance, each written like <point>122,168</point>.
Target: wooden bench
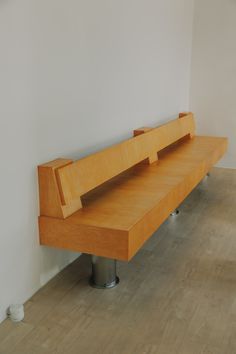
<point>109,203</point>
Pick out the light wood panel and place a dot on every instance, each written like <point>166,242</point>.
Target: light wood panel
<point>118,217</point>
<point>154,156</point>
<point>51,198</point>
<point>83,175</point>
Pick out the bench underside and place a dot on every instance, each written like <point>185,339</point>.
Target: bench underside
<point>119,216</point>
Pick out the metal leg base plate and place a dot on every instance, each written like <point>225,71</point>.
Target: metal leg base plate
<point>105,286</point>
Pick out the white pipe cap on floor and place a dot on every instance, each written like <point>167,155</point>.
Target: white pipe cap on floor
<point>16,312</point>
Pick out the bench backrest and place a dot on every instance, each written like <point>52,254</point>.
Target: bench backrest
<point>62,182</point>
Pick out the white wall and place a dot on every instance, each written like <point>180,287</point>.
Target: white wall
<point>76,75</point>
<point>213,88</point>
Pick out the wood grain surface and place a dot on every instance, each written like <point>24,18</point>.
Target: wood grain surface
<point>119,216</point>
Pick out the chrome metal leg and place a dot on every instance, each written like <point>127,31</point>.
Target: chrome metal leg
<point>175,212</point>
<point>206,177</point>
<point>103,273</point>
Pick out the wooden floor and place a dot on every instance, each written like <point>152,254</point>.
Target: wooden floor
<point>178,295</point>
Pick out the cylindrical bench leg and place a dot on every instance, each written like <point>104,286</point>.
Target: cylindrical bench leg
<point>175,212</point>
<point>103,273</point>
<point>205,178</point>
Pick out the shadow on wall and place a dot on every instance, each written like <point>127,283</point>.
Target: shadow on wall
<point>53,261</point>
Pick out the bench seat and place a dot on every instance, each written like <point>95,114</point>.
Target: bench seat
<point>120,215</point>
